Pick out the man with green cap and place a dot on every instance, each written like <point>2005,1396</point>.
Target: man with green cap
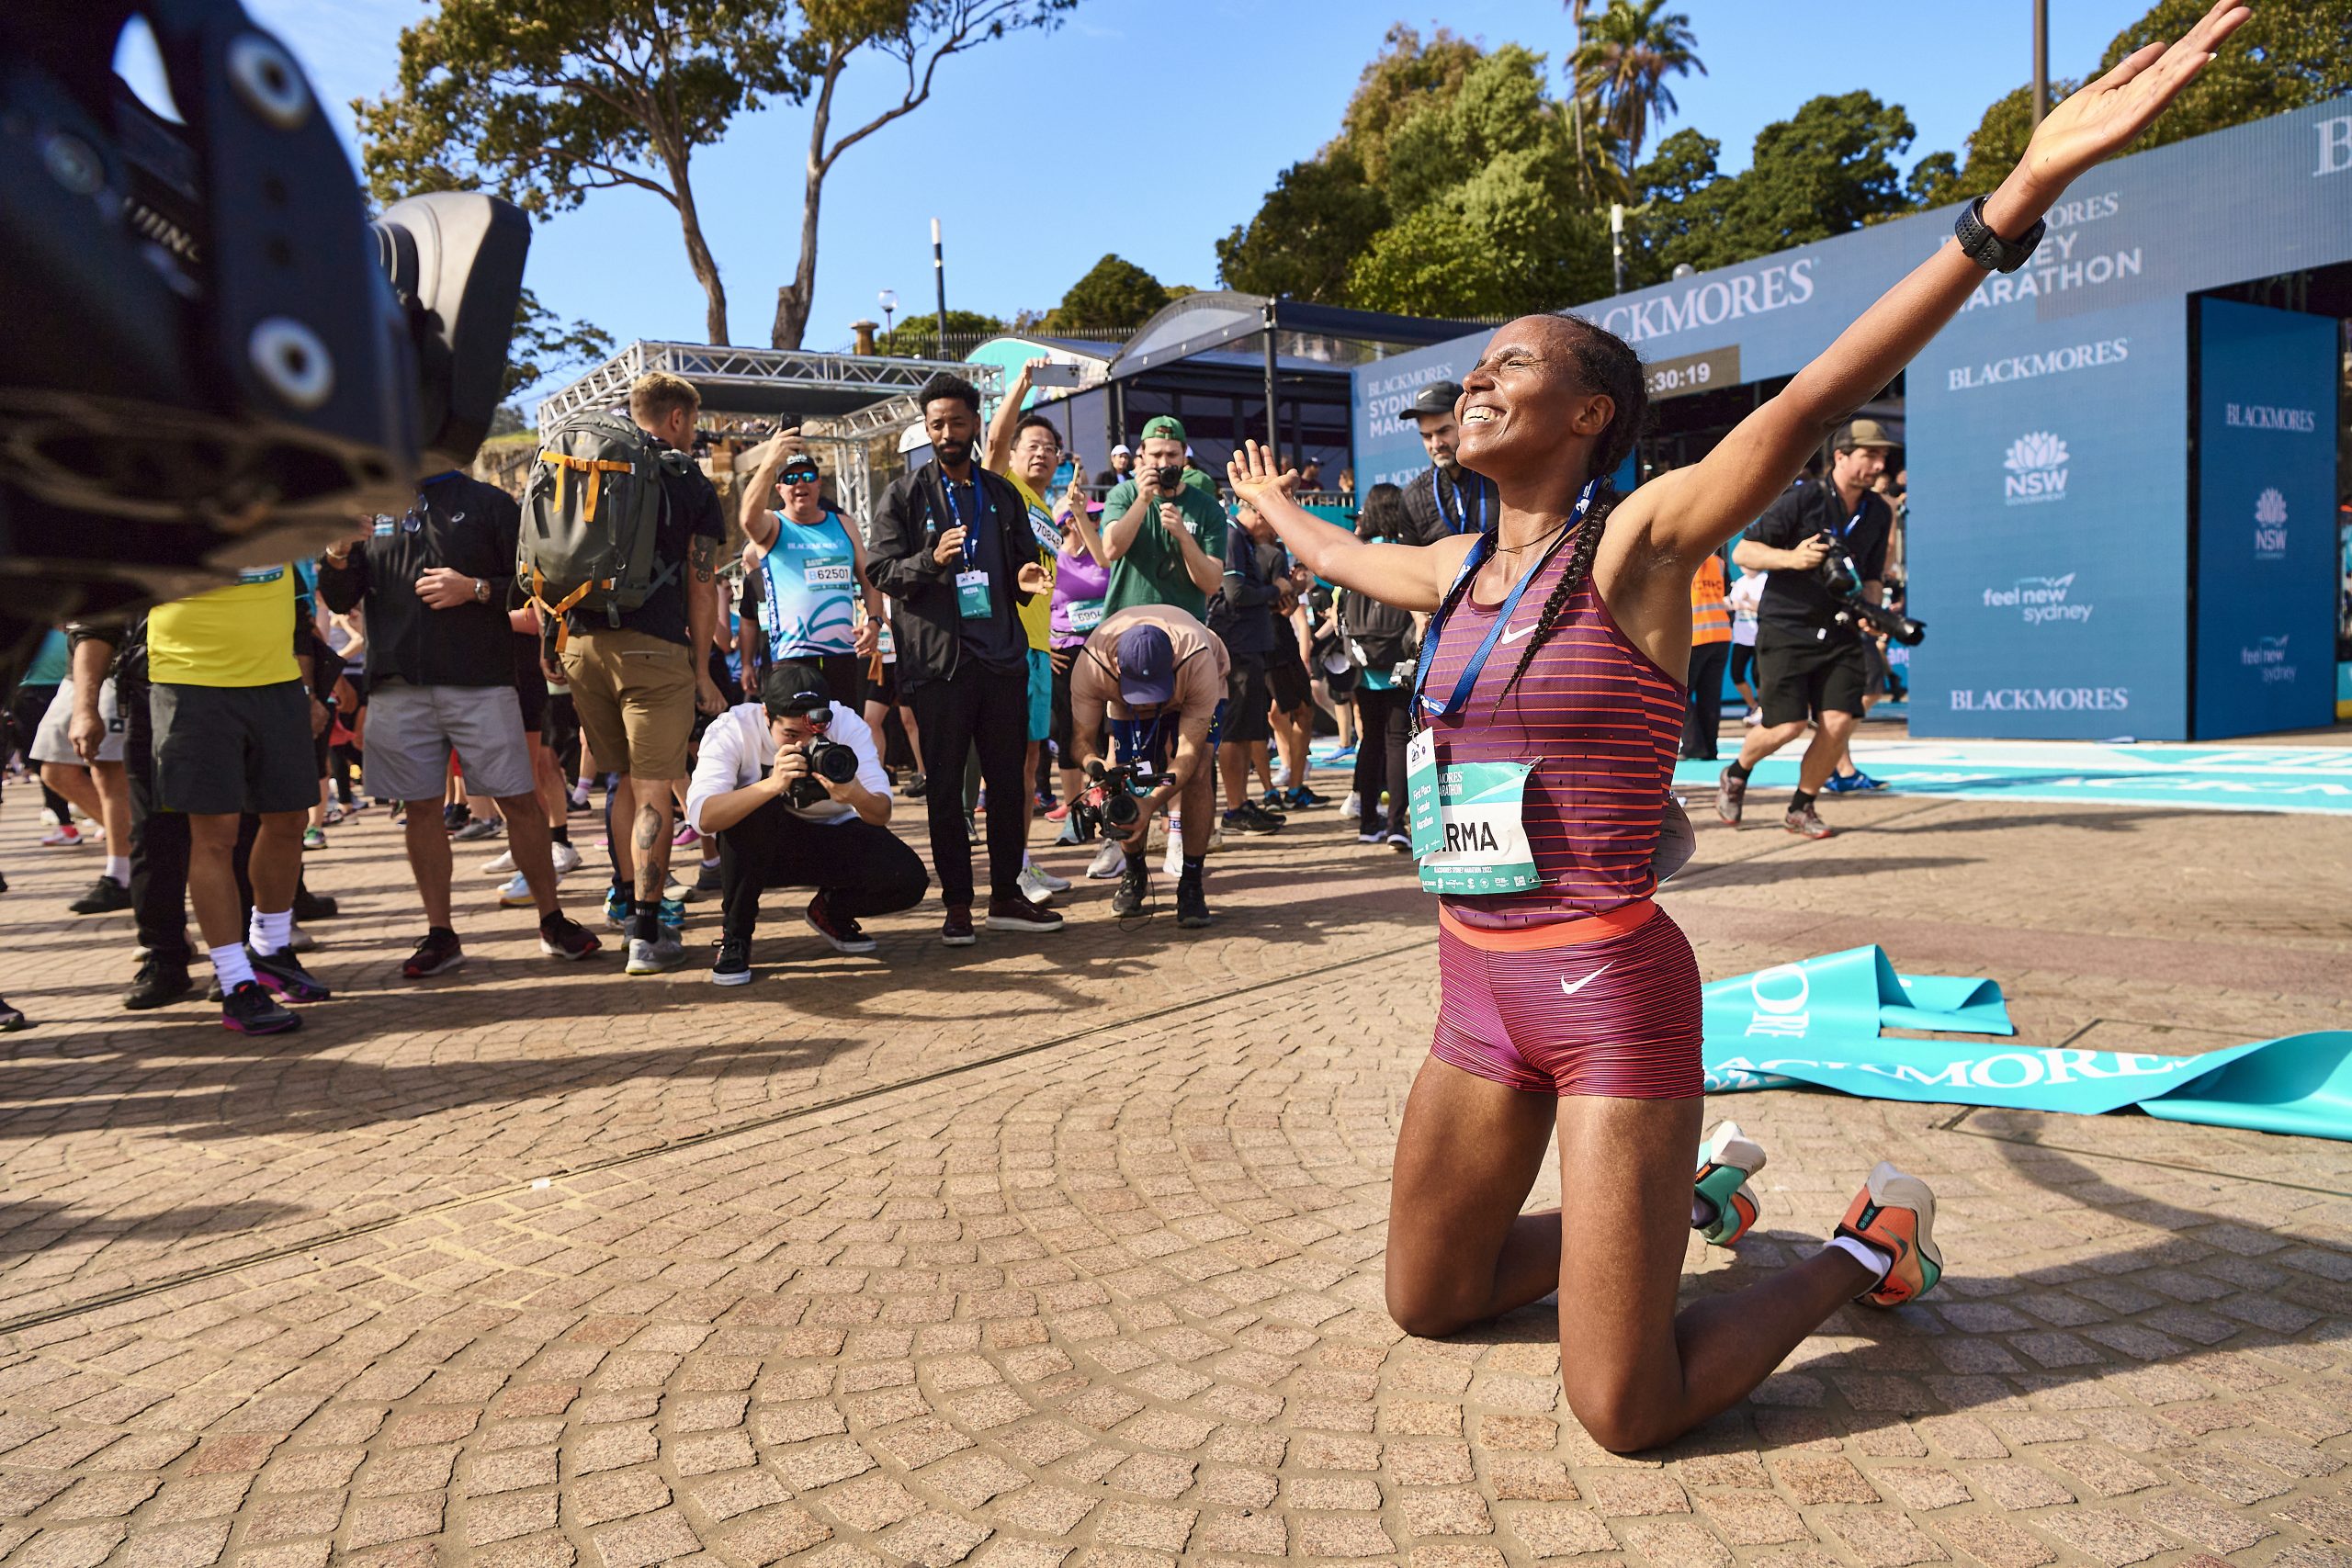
<point>1164,538</point>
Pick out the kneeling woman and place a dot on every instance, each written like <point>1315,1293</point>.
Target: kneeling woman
<point>1550,697</point>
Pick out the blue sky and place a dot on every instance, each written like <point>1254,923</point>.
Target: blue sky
<point>1035,156</point>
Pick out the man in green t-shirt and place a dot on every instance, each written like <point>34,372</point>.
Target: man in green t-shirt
<point>1165,540</point>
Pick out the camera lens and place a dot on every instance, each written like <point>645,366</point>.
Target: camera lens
<point>1122,811</point>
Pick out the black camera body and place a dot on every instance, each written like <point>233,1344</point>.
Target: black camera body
<point>827,760</point>
<point>1112,802</point>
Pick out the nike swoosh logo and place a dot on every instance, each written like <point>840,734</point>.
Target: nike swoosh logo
<point>1509,636</point>
<point>1568,990</point>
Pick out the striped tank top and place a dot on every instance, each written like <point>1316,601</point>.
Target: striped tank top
<point>1599,725</point>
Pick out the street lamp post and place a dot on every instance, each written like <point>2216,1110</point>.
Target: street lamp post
<point>939,276</point>
<point>888,301</point>
<point>2040,60</point>
<point>1617,242</point>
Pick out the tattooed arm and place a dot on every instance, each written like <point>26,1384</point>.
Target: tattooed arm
<point>702,617</point>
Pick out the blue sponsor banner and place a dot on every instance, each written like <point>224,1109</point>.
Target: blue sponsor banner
<point>2266,519</point>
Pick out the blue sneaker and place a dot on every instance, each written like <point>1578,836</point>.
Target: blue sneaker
<point>673,914</point>
<point>1855,783</point>
<point>1301,798</point>
<point>616,908</point>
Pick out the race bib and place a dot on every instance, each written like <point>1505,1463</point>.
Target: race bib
<point>1048,537</point>
<point>823,574</point>
<point>1468,834</point>
<point>1085,615</point>
<point>972,601</point>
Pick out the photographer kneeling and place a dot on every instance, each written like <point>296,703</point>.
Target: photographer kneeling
<point>1809,659</point>
<point>1160,676</point>
<point>797,797</point>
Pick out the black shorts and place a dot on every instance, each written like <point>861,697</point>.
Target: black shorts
<point>26,710</point>
<point>1799,678</point>
<point>1063,730</point>
<point>1286,672</point>
<point>885,690</point>
<point>1743,662</point>
<point>220,750</point>
<point>1246,722</point>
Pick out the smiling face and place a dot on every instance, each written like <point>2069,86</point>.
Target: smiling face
<point>1525,409</point>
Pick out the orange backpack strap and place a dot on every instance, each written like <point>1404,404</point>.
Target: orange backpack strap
<point>595,468</point>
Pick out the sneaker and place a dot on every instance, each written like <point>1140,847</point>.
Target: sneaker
<point>1344,754</point>
<point>653,957</point>
<point>1192,904</point>
<point>310,906</point>
<point>106,897</point>
<point>1298,798</point>
<point>733,964</point>
<point>502,864</point>
<point>1726,1160</point>
<point>516,894</point>
<point>567,860</point>
<point>1897,1213</point>
<point>1073,834</point>
<point>1855,783</point>
<point>1014,912</point>
<point>1376,835</point>
<point>1057,812</point>
<point>686,838</point>
<point>578,805</point>
<point>560,936</point>
<point>314,838</point>
<point>249,1009</point>
<point>1352,805</point>
<point>916,787</point>
<point>955,931</point>
<point>157,984</point>
<point>1807,824</point>
<point>481,828</point>
<point>64,836</point>
<point>1216,837</point>
<point>1135,889</point>
<point>456,817</point>
<point>1401,843</point>
<point>1051,883</point>
<point>616,908</point>
<point>1731,796</point>
<point>1272,799</point>
<point>706,883</point>
<point>1033,888</point>
<point>1109,860</point>
<point>1251,817</point>
<point>299,941</point>
<point>282,972</point>
<point>1752,718</point>
<point>674,917</point>
<point>439,953</point>
<point>844,933</point>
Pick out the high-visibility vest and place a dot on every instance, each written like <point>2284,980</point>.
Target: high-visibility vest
<point>1710,614</point>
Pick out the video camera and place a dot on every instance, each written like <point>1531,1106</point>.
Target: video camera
<point>1843,579</point>
<point>827,760</point>
<point>1111,801</point>
<point>214,360</point>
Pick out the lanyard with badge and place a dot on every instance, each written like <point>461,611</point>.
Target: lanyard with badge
<point>972,600</point>
<point>1461,521</point>
<point>1469,835</point>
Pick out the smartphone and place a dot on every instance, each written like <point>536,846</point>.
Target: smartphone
<point>1052,374</point>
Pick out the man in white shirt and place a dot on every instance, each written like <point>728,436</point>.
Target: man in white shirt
<point>782,822</point>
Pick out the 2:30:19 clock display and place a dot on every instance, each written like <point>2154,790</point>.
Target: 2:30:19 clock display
<point>1689,373</point>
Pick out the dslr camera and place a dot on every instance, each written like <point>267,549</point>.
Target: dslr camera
<point>1111,802</point>
<point>827,760</point>
<point>1843,579</point>
<point>214,359</point>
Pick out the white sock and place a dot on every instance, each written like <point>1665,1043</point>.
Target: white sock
<point>1876,1259</point>
<point>118,868</point>
<point>270,933</point>
<point>233,967</point>
<point>710,860</point>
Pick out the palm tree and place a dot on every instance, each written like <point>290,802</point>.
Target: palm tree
<point>1622,63</point>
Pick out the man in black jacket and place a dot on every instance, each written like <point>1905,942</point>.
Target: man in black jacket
<point>441,677</point>
<point>1445,498</point>
<point>952,548</point>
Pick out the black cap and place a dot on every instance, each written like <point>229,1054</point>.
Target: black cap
<point>1437,398</point>
<point>793,686</point>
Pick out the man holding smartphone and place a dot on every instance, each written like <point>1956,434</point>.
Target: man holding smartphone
<point>1165,539</point>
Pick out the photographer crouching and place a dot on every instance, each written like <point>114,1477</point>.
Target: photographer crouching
<point>797,797</point>
<point>1158,676</point>
<point>1824,541</point>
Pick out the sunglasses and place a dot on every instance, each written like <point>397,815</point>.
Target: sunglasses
<point>801,476</point>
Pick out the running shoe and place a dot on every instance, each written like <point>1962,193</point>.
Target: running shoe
<point>1057,812</point>
<point>1345,754</point>
<point>1807,824</point>
<point>685,838</point>
<point>516,894</point>
<point>653,957</point>
<point>157,984</point>
<point>844,933</point>
<point>733,964</point>
<point>1073,834</point>
<point>567,860</point>
<point>616,908</point>
<point>439,953</point>
<point>1726,1160</point>
<point>708,883</point>
<point>299,941</point>
<point>1049,881</point>
<point>1752,718</point>
<point>282,972</point>
<point>1298,798</point>
<point>314,838</point>
<point>1855,783</point>
<point>249,1009</point>
<point>1014,912</point>
<point>577,804</point>
<point>674,917</point>
<point>104,898</point>
<point>1110,861</point>
<point>1375,837</point>
<point>481,828</point>
<point>500,864</point>
<point>916,787</point>
<point>1192,904</point>
<point>310,906</point>
<point>1731,796</point>
<point>955,931</point>
<point>11,1018</point>
<point>1033,886</point>
<point>1896,1214</point>
<point>560,936</point>
<point>1401,843</point>
<point>1271,800</point>
<point>64,836</point>
<point>1251,817</point>
<point>1134,891</point>
<point>456,817</point>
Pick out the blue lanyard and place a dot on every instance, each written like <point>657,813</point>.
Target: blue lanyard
<point>980,513</point>
<point>1471,671</point>
<point>1851,522</point>
<point>1455,524</point>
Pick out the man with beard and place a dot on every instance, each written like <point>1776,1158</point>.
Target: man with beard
<point>1445,498</point>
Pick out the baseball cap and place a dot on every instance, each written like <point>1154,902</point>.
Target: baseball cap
<point>1146,667</point>
<point>795,686</point>
<point>1163,425</point>
<point>1865,433</point>
<point>1437,398</point>
<point>1122,450</point>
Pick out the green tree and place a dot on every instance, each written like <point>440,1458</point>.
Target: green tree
<point>917,36</point>
<point>917,337</point>
<point>1404,78</point>
<point>544,345</point>
<point>2287,56</point>
<point>1623,60</point>
<point>1114,293</point>
<point>547,104</point>
<point>1319,217</point>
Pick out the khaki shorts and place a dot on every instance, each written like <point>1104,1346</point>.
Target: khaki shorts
<point>635,695</point>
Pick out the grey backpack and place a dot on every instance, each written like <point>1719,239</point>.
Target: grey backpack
<point>590,513</point>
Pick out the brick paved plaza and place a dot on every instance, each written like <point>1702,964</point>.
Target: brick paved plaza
<point>1066,1251</point>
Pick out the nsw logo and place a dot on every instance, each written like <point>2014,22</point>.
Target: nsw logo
<point>2270,525</point>
<point>2040,600</point>
<point>2037,466</point>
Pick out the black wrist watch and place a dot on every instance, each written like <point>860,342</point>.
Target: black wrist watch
<point>1989,250</point>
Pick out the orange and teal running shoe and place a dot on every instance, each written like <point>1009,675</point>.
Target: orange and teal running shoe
<point>1726,1160</point>
<point>1896,1214</point>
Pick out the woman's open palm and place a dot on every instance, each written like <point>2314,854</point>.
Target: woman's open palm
<point>2101,120</point>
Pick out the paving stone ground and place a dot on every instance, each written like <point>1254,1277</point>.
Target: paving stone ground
<point>1063,1251</point>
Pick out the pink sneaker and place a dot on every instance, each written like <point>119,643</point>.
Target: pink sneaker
<point>64,836</point>
<point>684,838</point>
